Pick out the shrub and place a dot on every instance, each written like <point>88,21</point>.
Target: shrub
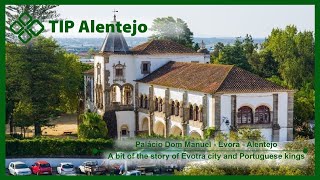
<point>55,147</point>
<point>210,132</point>
<point>92,126</point>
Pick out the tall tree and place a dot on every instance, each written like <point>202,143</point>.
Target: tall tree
<point>294,51</point>
<point>172,29</point>
<point>41,12</point>
<point>45,76</point>
<point>217,49</point>
<point>22,115</point>
<point>70,88</point>
<point>264,64</point>
<point>234,55</point>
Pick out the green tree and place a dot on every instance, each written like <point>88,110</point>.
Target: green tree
<point>72,82</point>
<point>264,64</point>
<point>217,49</point>
<point>22,116</point>
<point>92,126</point>
<point>44,75</point>
<point>294,51</point>
<point>40,12</point>
<point>16,79</point>
<point>234,55</point>
<point>172,29</point>
<point>196,46</point>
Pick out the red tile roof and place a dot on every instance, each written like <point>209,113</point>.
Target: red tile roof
<point>209,78</point>
<point>161,47</point>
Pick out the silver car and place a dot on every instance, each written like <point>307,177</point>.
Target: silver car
<point>66,168</point>
<point>19,169</point>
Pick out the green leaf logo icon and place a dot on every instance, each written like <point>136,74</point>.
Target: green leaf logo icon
<point>26,27</point>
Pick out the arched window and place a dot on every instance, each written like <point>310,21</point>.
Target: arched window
<point>156,104</point>
<point>172,108</point>
<point>196,110</point>
<point>262,115</point>
<point>177,109</point>
<point>245,115</point>
<point>160,105</point>
<point>127,92</point>
<point>141,101</point>
<point>190,112</point>
<point>146,102</point>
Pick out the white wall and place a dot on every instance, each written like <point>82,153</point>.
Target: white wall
<point>129,71</point>
<point>126,118</point>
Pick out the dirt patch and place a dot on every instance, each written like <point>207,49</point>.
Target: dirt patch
<point>65,123</point>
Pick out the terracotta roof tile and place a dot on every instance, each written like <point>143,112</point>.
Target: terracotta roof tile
<point>161,47</point>
<point>209,78</point>
<point>240,80</point>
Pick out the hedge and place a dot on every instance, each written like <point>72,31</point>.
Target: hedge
<point>56,147</point>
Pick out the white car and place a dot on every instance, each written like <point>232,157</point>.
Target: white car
<point>85,164</point>
<point>66,168</point>
<point>132,173</point>
<point>19,169</point>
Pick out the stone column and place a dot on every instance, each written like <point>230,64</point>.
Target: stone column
<point>275,124</point>
<point>290,116</point>
<point>204,113</point>
<point>217,113</point>
<point>167,112</point>
<point>233,122</point>
<point>185,113</point>
<point>121,96</point>
<point>151,107</point>
<point>107,99</point>
<point>136,106</point>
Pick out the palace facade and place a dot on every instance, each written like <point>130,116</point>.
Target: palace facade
<point>164,88</point>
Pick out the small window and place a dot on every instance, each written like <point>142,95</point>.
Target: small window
<point>119,72</point>
<point>145,67</point>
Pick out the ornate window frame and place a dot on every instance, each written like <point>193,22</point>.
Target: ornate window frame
<point>117,68</point>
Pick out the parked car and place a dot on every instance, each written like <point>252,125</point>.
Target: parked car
<point>132,173</point>
<point>92,168</point>
<point>19,169</point>
<point>148,169</point>
<point>41,167</point>
<point>66,168</point>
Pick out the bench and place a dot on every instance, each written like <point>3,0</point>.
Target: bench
<point>67,133</point>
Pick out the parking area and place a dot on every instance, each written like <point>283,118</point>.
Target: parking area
<point>82,167</point>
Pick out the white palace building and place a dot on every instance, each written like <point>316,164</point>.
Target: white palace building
<point>164,88</point>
